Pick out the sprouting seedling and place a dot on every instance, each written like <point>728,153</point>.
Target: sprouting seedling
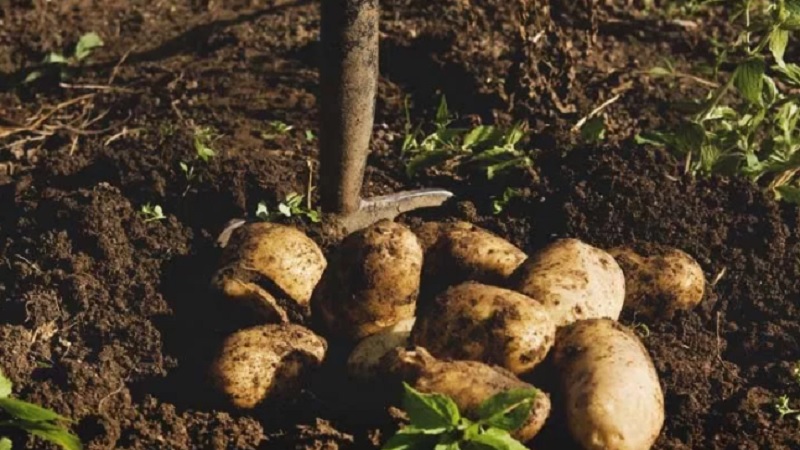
<point>641,329</point>
<point>203,137</point>
<point>783,408</point>
<point>310,136</point>
<point>152,212</point>
<point>61,64</point>
<point>436,422</point>
<point>277,128</point>
<point>500,203</point>
<point>796,372</point>
<point>292,205</point>
<point>34,419</point>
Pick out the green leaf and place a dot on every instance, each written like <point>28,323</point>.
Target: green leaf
<point>778,40</point>
<point>23,410</point>
<point>5,385</point>
<point>788,193</point>
<point>430,411</point>
<point>749,79</point>
<point>447,445</point>
<point>442,113</point>
<point>501,167</point>
<point>55,58</point>
<point>410,441</point>
<point>594,129</point>
<point>495,439</point>
<point>262,212</point>
<point>425,160</point>
<point>657,138</point>
<point>689,137</point>
<point>86,44</point>
<point>507,410</point>
<point>52,433</point>
<point>285,209</point>
<point>484,135</point>
<point>33,76</point>
<point>5,444</point>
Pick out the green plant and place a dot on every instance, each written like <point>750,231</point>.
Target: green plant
<point>62,66</point>
<point>436,422</point>
<point>755,135</point>
<point>292,205</point>
<point>783,408</point>
<point>485,147</point>
<point>277,128</point>
<point>499,203</point>
<point>152,212</point>
<point>796,372</point>
<point>36,420</point>
<point>202,140</point>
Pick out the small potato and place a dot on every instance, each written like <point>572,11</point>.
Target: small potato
<point>613,399</point>
<point>271,268</point>
<point>373,282</point>
<point>364,360</point>
<point>660,281</point>
<point>574,281</point>
<point>485,323</point>
<point>468,383</point>
<point>267,361</point>
<point>459,251</point>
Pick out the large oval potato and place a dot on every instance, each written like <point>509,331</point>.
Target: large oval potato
<point>613,399</point>
<point>266,361</point>
<point>574,281</point>
<point>364,360</point>
<point>485,323</point>
<point>468,383</point>
<point>459,251</point>
<point>271,268</point>
<point>660,281</point>
<point>373,281</point>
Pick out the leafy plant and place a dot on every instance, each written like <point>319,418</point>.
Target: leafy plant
<point>796,372</point>
<point>36,420</point>
<point>485,147</point>
<point>499,203</point>
<point>292,205</point>
<point>152,212</point>
<point>594,129</point>
<point>202,140</point>
<point>436,422</point>
<point>277,128</point>
<point>755,135</point>
<point>61,65</point>
<point>783,408</point>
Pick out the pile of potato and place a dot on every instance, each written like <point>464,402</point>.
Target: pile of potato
<point>497,316</point>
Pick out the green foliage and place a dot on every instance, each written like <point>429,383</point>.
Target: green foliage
<point>782,407</point>
<point>152,212</point>
<point>436,422</point>
<point>293,205</point>
<point>755,133</point>
<point>594,129</point>
<point>499,204</point>
<point>62,66</point>
<point>203,138</point>
<point>487,148</point>
<point>277,128</point>
<point>40,422</point>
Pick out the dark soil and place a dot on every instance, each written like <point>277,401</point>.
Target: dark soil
<point>107,318</point>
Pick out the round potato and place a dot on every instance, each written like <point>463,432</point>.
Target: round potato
<point>271,268</point>
<point>364,360</point>
<point>574,281</point>
<point>373,282</point>
<point>267,361</point>
<point>459,251</point>
<point>613,399</point>
<point>660,281</point>
<point>468,383</point>
<point>478,322</point>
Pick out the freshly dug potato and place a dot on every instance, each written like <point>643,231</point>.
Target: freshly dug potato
<point>267,361</point>
<point>459,251</point>
<point>613,399</point>
<point>373,282</point>
<point>468,383</point>
<point>485,323</point>
<point>660,281</point>
<point>271,268</point>
<point>364,360</point>
<point>574,281</point>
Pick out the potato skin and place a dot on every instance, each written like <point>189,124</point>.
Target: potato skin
<point>373,282</point>
<point>364,361</point>
<point>266,361</point>
<point>613,399</point>
<point>574,281</point>
<point>459,251</point>
<point>660,281</point>
<point>484,323</point>
<point>468,383</point>
<point>272,268</point>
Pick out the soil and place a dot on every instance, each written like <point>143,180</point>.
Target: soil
<point>106,317</point>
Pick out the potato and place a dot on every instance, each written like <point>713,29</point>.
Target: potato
<point>574,281</point>
<point>271,268</point>
<point>613,399</point>
<point>468,383</point>
<point>364,360</point>
<point>488,324</point>
<point>459,251</point>
<point>660,281</point>
<point>373,282</point>
<point>267,361</point>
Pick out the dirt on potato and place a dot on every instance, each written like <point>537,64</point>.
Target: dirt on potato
<point>107,317</point>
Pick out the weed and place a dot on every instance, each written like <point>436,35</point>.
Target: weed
<point>437,423</point>
<point>152,212</point>
<point>755,136</point>
<point>277,128</point>
<point>292,206</point>
<point>499,203</point>
<point>34,419</point>
<point>783,408</point>
<point>202,140</point>
<point>62,66</point>
<point>485,147</point>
